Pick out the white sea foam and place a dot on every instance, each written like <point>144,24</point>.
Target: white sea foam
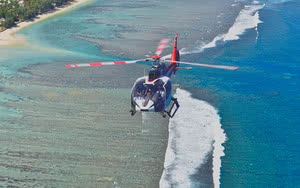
<point>278,1</point>
<point>194,133</point>
<point>248,18</point>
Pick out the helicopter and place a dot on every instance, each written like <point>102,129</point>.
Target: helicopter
<point>153,93</point>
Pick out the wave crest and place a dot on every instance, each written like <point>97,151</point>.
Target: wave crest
<point>248,18</point>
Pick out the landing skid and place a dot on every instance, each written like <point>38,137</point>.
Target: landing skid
<point>132,112</point>
<point>174,105</point>
<point>171,111</point>
<point>163,114</point>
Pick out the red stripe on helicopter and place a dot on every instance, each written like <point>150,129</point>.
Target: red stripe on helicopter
<point>163,44</point>
<point>120,62</point>
<point>69,66</point>
<point>75,65</point>
<point>159,49</point>
<point>95,64</point>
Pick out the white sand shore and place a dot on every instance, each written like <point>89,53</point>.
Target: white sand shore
<point>9,36</point>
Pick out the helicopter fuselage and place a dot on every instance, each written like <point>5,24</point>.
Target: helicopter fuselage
<point>153,93</point>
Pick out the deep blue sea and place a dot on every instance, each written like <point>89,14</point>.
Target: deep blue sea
<point>259,103</point>
<point>264,136</point>
<point>235,128</point>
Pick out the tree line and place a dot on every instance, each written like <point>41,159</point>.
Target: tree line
<point>15,11</point>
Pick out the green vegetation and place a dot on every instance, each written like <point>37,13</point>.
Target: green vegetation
<point>15,11</point>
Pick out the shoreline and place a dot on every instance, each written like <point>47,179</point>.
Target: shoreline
<point>9,37</point>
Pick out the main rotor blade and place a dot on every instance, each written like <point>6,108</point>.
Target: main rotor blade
<point>161,46</point>
<point>102,63</point>
<point>206,65</point>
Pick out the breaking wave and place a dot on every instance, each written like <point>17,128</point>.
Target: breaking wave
<point>248,18</point>
<point>194,134</point>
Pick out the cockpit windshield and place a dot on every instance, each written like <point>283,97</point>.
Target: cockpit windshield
<point>151,95</point>
<point>148,90</point>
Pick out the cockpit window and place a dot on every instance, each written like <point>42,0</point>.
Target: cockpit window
<point>142,90</point>
<point>156,93</point>
<point>139,88</point>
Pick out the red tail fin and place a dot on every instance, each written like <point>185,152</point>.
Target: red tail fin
<point>175,54</point>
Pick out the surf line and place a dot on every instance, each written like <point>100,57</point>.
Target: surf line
<point>195,134</point>
<point>248,18</point>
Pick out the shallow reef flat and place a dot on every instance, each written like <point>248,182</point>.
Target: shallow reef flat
<point>76,136</point>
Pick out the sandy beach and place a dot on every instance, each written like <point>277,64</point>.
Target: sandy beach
<point>9,36</point>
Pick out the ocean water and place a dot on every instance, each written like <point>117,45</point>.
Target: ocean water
<point>62,127</point>
<point>258,103</point>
